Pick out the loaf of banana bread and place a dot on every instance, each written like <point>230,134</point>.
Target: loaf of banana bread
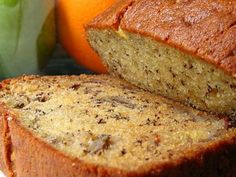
<point>99,126</point>
<point>182,49</point>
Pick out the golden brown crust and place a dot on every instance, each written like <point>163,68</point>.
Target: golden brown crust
<point>5,142</point>
<point>33,157</point>
<point>43,160</point>
<point>202,28</point>
<point>2,153</point>
<point>112,16</point>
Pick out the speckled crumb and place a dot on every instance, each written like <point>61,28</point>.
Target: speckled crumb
<point>108,121</point>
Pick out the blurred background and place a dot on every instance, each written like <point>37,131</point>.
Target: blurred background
<point>47,37</point>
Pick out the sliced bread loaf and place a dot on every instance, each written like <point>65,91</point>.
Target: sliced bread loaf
<point>80,126</point>
<point>184,50</point>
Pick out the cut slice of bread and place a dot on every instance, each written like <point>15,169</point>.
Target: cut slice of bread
<point>184,50</point>
<point>80,126</point>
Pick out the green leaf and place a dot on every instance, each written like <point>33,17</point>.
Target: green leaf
<point>46,40</point>
<point>10,26</point>
<point>26,41</point>
<point>9,3</point>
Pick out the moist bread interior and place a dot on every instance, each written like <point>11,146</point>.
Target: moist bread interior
<point>105,120</point>
<point>162,69</point>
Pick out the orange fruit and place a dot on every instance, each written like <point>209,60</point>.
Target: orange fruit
<point>72,16</point>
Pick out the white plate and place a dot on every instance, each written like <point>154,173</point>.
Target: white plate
<point>1,175</point>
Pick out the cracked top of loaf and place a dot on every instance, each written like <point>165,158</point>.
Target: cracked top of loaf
<point>203,28</point>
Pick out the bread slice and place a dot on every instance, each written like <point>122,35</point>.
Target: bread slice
<point>80,126</point>
<point>184,50</point>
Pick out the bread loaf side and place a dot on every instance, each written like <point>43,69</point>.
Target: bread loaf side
<point>184,50</point>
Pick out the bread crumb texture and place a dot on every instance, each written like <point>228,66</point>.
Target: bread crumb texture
<point>159,68</point>
<point>184,50</point>
<point>108,121</point>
